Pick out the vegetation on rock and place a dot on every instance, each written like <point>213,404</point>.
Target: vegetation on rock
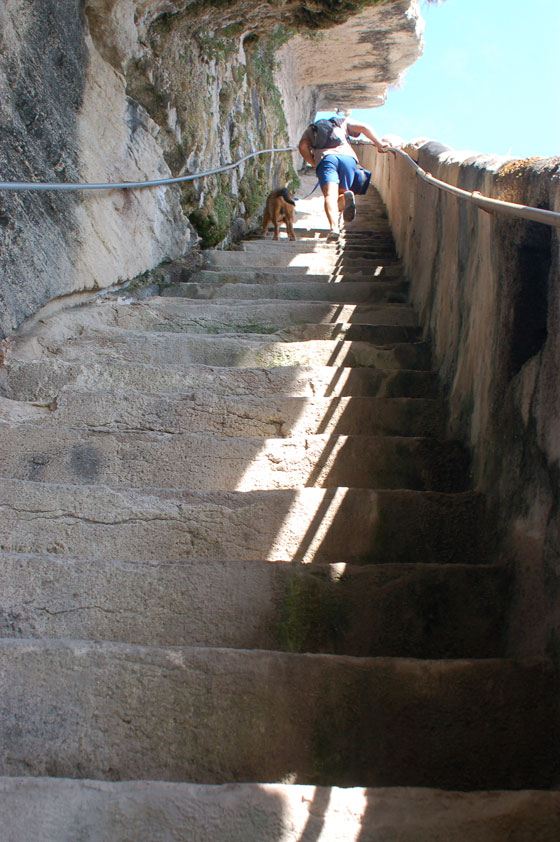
<point>208,82</point>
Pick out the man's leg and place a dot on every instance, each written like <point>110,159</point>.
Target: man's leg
<point>341,199</point>
<point>332,200</point>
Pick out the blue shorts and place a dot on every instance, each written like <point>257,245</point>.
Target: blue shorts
<point>339,169</point>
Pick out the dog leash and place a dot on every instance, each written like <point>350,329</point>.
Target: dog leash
<point>302,199</point>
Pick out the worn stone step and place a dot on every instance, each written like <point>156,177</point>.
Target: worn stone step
<point>214,324</point>
<point>420,611</point>
<point>311,262</point>
<point>379,240</point>
<point>276,312</point>
<point>374,228</point>
<point>385,322</point>
<point>289,320</point>
<point>270,274</point>
<point>376,334</point>
<point>51,809</point>
<point>205,412</point>
<point>348,292</point>
<point>211,318</point>
<point>197,461</point>
<point>42,380</point>
<point>178,349</point>
<point>116,711</point>
<point>352,249</point>
<point>312,524</point>
<point>182,314</point>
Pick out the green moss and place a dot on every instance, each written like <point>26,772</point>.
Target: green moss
<point>207,226</point>
<point>323,14</point>
<point>337,740</point>
<point>213,47</point>
<point>212,221</point>
<point>293,181</point>
<point>313,615</point>
<point>177,74</point>
<point>253,187</point>
<point>242,328</point>
<point>232,30</point>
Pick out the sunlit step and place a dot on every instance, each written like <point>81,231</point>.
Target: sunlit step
<point>211,462</point>
<point>312,524</point>
<point>376,271</point>
<point>203,411</point>
<point>345,292</point>
<point>42,380</point>
<point>50,809</point>
<point>263,351</point>
<point>314,261</point>
<point>169,315</point>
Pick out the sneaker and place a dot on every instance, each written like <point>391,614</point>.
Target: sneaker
<point>333,237</point>
<point>349,211</point>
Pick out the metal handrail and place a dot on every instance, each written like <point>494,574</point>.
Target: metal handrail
<point>484,202</point>
<point>131,185</point>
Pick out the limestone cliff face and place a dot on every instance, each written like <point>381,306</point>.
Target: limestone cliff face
<point>113,90</point>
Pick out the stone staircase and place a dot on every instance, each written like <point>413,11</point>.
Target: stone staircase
<point>245,588</point>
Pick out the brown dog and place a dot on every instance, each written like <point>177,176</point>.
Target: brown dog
<point>280,207</point>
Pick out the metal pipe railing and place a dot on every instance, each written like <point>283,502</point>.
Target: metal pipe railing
<point>484,202</point>
<point>475,197</point>
<point>131,185</point>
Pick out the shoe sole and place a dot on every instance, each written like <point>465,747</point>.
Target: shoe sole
<point>349,211</point>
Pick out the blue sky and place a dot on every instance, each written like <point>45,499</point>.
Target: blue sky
<point>488,81</point>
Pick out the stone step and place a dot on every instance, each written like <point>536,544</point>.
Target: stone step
<point>271,274</point>
<point>205,412</point>
<point>378,323</point>
<point>417,611</point>
<point>379,238</point>
<point>368,250</point>
<point>258,351</point>
<point>319,262</point>
<point>289,320</point>
<point>272,312</point>
<point>355,526</point>
<point>374,228</point>
<point>215,318</point>
<point>51,810</point>
<point>116,711</point>
<point>222,315</point>
<point>42,380</point>
<point>347,292</point>
<point>375,334</point>
<point>164,314</point>
<point>199,462</point>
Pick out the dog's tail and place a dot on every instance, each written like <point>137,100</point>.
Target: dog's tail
<point>286,196</point>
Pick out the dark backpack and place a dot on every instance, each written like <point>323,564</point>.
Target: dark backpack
<point>324,133</point>
<point>361,181</point>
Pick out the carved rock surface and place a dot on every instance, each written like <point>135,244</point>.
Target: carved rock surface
<point>159,624</point>
<point>129,90</point>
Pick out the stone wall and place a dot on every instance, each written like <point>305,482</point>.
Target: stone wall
<point>113,90</point>
<point>487,289</point>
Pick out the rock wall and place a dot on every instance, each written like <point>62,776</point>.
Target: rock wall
<point>487,288</point>
<point>112,90</point>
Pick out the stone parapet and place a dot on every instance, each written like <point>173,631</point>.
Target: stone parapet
<point>487,290</point>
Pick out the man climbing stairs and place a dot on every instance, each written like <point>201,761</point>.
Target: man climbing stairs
<point>246,592</point>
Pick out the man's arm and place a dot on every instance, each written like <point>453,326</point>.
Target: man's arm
<point>356,129</point>
<point>305,151</point>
